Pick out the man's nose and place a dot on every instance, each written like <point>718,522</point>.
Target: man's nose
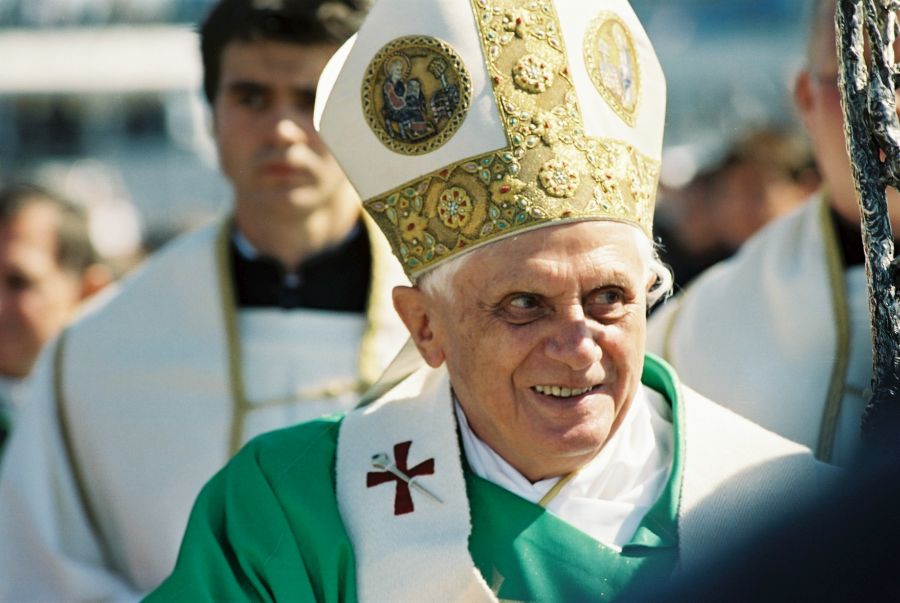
<point>573,340</point>
<point>288,126</point>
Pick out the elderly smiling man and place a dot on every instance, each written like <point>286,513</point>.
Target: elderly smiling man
<point>523,447</point>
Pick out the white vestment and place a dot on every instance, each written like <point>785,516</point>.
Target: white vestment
<point>779,333</point>
<point>146,396</point>
<point>736,477</point>
<point>12,393</point>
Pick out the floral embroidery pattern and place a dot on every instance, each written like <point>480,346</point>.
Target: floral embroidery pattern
<point>455,207</point>
<point>533,74</point>
<point>559,178</point>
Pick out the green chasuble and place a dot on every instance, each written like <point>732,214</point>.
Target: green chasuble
<point>267,528</point>
<point>526,553</point>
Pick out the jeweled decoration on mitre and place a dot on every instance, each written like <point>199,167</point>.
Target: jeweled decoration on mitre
<point>415,94</point>
<point>551,170</point>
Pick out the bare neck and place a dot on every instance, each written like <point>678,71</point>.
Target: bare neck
<point>294,237</point>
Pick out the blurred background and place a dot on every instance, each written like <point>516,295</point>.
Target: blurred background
<point>100,100</point>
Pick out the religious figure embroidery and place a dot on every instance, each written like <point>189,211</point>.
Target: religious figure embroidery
<point>611,60</point>
<point>415,95</point>
<point>404,103</point>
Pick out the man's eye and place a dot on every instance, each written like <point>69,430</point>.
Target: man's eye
<point>252,100</point>
<point>523,302</point>
<point>521,308</point>
<point>18,282</point>
<point>605,303</point>
<point>306,100</point>
<point>608,296</point>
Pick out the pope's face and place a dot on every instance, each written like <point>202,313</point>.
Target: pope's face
<point>544,342</point>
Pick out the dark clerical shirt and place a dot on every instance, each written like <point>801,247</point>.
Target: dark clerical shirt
<point>850,240</point>
<point>336,278</point>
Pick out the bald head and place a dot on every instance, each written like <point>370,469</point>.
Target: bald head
<point>817,98</point>
<point>821,32</point>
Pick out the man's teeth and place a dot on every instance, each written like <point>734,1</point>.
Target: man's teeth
<point>560,392</point>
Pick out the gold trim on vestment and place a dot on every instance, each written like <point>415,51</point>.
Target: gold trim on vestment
<point>369,348</point>
<point>367,363</point>
<point>239,404</point>
<point>838,289</point>
<point>62,415</point>
<point>557,487</point>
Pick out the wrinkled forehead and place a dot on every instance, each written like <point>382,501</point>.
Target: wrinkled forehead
<point>577,246</point>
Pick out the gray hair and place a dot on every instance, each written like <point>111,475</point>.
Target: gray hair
<point>438,282</point>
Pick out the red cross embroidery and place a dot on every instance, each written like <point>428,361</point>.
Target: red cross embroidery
<point>402,498</point>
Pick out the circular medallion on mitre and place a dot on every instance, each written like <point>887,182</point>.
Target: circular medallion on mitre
<point>416,93</point>
<point>611,60</point>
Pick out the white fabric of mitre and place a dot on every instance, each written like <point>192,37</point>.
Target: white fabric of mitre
<point>343,126</point>
<point>609,496</point>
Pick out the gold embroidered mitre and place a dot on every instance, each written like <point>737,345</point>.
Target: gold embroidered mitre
<point>460,122</point>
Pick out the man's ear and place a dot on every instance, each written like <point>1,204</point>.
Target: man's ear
<point>94,278</point>
<point>411,304</point>
<point>803,96</point>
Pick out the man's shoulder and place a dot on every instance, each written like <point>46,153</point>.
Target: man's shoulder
<point>709,423</point>
<point>307,447</point>
<point>183,255</point>
<point>773,246</point>
<point>739,288</point>
<point>735,430</point>
<point>738,477</point>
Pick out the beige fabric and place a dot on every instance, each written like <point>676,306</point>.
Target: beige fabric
<point>758,334</point>
<point>149,416</point>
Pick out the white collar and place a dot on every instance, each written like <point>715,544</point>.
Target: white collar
<point>244,246</point>
<point>610,495</point>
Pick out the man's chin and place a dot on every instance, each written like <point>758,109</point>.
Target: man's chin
<point>302,198</point>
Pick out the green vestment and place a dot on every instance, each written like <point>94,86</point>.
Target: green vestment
<point>267,528</point>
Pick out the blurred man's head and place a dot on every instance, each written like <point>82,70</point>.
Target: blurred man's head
<point>818,101</point>
<point>262,60</point>
<point>47,266</point>
<point>301,22</point>
<point>766,173</point>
